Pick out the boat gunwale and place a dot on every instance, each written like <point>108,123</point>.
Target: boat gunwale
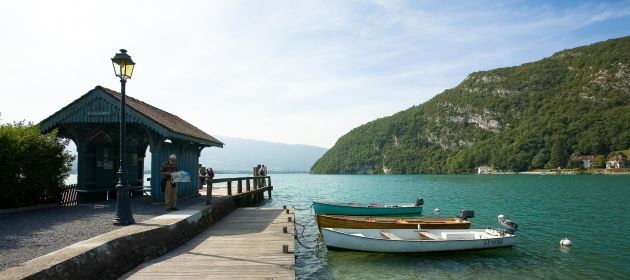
<point>382,206</point>
<point>407,240</point>
<point>392,219</point>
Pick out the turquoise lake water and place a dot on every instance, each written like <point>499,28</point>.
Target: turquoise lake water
<point>592,211</point>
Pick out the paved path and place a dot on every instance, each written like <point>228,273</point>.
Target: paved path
<point>28,235</point>
<point>246,244</point>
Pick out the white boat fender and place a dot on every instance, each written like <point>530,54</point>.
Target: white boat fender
<point>566,242</point>
<point>437,211</point>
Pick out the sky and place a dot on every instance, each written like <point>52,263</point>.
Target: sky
<point>298,72</point>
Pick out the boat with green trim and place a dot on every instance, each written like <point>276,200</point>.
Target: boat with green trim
<point>367,209</point>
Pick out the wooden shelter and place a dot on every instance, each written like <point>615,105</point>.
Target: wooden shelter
<point>92,122</point>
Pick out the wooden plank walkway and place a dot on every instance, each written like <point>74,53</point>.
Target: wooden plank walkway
<point>246,244</point>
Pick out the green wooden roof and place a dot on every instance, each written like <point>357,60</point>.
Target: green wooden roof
<point>101,105</point>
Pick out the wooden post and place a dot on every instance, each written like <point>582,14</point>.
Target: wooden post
<point>239,188</point>
<point>247,186</point>
<point>209,193</point>
<point>269,193</point>
<point>229,188</point>
<point>269,178</point>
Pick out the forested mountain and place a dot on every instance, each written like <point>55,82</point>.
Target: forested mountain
<point>536,115</point>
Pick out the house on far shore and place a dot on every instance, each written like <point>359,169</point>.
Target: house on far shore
<point>586,161</point>
<point>616,162</point>
<point>484,169</point>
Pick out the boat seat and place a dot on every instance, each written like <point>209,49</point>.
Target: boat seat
<point>428,235</point>
<point>390,235</point>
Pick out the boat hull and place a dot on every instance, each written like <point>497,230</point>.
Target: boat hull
<point>347,239</point>
<point>341,209</point>
<point>362,222</point>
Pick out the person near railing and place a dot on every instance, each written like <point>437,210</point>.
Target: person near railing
<point>262,172</point>
<point>210,172</point>
<point>257,169</point>
<point>202,176</point>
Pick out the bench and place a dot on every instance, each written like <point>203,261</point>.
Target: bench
<point>390,235</point>
<point>425,235</point>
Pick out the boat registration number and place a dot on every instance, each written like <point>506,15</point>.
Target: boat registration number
<point>492,242</point>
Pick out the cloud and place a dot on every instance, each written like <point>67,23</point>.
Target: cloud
<point>287,71</point>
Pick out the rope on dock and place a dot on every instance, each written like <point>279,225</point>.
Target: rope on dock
<point>304,226</point>
<point>302,209</point>
<point>301,235</point>
<point>316,247</point>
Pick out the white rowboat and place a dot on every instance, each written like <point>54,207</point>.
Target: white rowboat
<point>415,241</point>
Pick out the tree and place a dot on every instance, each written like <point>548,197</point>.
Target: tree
<point>32,165</point>
<point>599,162</point>
<point>576,163</point>
<point>558,156</point>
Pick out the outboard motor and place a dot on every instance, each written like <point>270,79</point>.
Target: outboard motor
<point>466,214</point>
<point>510,226</point>
<point>419,202</point>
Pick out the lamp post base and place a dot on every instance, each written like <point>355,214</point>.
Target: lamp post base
<point>123,206</point>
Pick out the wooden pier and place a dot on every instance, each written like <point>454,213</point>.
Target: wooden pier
<point>249,243</point>
<point>249,190</point>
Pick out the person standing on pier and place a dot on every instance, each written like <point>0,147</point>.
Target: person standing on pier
<point>202,176</point>
<point>262,172</point>
<point>210,173</point>
<point>256,174</point>
<point>169,187</point>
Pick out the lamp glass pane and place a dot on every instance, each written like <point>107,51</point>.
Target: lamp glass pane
<point>117,69</point>
<point>128,70</point>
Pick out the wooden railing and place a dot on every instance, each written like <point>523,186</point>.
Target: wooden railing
<point>251,184</point>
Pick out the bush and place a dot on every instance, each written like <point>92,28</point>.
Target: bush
<point>32,165</point>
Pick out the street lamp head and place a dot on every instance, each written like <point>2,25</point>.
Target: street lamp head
<point>123,65</point>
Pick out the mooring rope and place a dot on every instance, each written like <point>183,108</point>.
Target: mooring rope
<point>304,226</point>
<point>302,209</point>
<point>316,247</point>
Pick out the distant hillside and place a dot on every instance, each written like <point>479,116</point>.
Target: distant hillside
<point>242,154</point>
<point>536,115</point>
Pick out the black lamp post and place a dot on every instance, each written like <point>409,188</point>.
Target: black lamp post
<point>123,67</point>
